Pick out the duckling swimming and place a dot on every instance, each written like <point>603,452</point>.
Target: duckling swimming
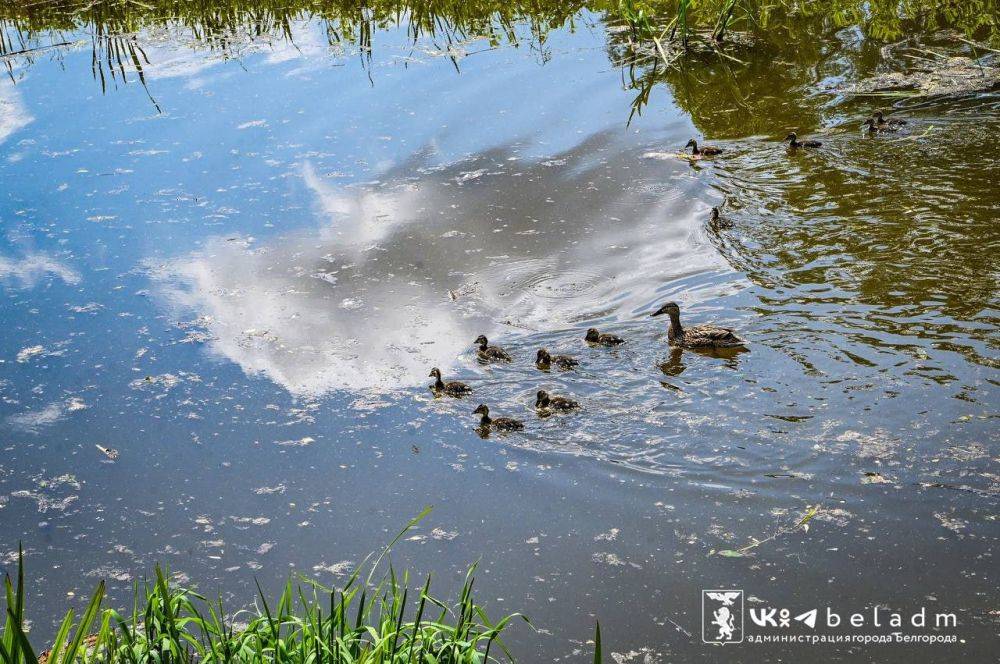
<point>452,388</point>
<point>546,403</point>
<point>874,128</point>
<point>794,142</point>
<point>892,124</point>
<point>697,336</point>
<point>704,151</point>
<point>487,423</point>
<point>602,339</point>
<point>717,221</point>
<point>489,353</point>
<point>544,361</point>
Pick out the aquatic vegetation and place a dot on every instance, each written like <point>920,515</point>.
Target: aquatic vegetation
<point>365,621</point>
<point>801,524</point>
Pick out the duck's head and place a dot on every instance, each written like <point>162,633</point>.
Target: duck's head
<point>592,334</point>
<point>878,116</point>
<point>481,409</point>
<point>541,399</point>
<point>692,144</point>
<point>481,340</point>
<point>542,356</point>
<point>668,308</point>
<point>792,137</point>
<point>435,373</point>
<point>715,214</point>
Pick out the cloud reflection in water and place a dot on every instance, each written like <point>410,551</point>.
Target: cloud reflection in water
<point>404,273</point>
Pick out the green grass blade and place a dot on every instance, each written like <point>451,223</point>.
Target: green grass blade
<point>85,623</point>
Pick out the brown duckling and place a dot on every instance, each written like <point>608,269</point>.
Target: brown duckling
<point>717,221</point>
<point>602,339</point>
<point>544,361</point>
<point>697,336</point>
<point>873,127</point>
<point>496,423</point>
<point>545,402</point>
<point>794,142</point>
<point>487,353</point>
<point>452,388</point>
<point>892,124</point>
<point>703,151</point>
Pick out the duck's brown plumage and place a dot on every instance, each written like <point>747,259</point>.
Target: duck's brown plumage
<point>793,141</point>
<point>496,423</point>
<point>892,124</point>
<point>716,220</point>
<point>697,336</point>
<point>544,361</point>
<point>704,150</point>
<point>546,402</point>
<point>452,388</point>
<point>602,339</point>
<point>487,353</point>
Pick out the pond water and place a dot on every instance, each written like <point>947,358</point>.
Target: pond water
<point>238,272</point>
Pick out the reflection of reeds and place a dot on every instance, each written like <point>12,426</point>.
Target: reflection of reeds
<point>115,27</point>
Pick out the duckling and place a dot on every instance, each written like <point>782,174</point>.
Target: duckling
<point>496,423</point>
<point>697,336</point>
<point>452,388</point>
<point>705,150</point>
<point>873,127</point>
<point>545,403</point>
<point>544,361</point>
<point>793,141</point>
<point>489,353</point>
<point>716,221</point>
<point>892,124</point>
<point>602,339</point>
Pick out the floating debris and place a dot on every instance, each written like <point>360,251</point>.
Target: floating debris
<point>301,442</point>
<point>112,454</point>
<point>943,75</point>
<point>952,523</point>
<point>872,477</point>
<point>609,536</point>
<point>26,354</point>
<point>337,569</point>
<point>89,308</point>
<point>270,490</point>
<point>802,523</point>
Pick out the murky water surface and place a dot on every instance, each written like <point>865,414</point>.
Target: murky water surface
<point>239,274</point>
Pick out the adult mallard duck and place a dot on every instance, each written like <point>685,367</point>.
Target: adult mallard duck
<point>452,388</point>
<point>704,150</point>
<point>601,339</point>
<point>696,336</point>
<point>794,142</point>
<point>544,361</point>
<point>545,402</point>
<point>488,353</point>
<point>487,423</point>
